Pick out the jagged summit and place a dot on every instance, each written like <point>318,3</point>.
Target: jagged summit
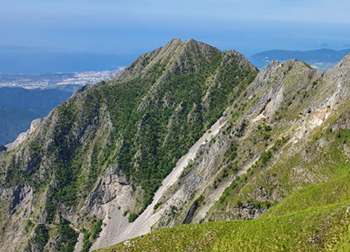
<point>344,63</point>
<point>175,54</point>
<point>175,41</point>
<point>188,42</point>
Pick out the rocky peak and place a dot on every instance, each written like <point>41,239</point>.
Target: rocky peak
<point>176,55</point>
<point>189,51</point>
<point>339,76</point>
<point>278,71</point>
<point>344,63</point>
<point>174,43</point>
<point>342,69</point>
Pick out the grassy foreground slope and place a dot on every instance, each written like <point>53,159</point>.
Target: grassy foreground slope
<point>316,229</point>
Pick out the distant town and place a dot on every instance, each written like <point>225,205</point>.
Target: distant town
<point>55,80</point>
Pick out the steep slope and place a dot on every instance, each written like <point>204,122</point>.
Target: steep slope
<point>281,158</point>
<point>256,122</point>
<point>302,154</point>
<point>104,152</point>
<point>116,232</point>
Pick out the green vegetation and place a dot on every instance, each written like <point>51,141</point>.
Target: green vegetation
<point>67,238</point>
<point>91,236</point>
<point>96,229</point>
<point>29,225</point>
<point>315,218</point>
<point>334,190</point>
<point>312,219</point>
<point>132,217</point>
<point>153,133</point>
<point>41,236</point>
<point>265,157</point>
<point>316,229</point>
<point>297,181</point>
<point>285,147</point>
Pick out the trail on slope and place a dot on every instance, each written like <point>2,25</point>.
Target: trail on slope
<point>142,225</point>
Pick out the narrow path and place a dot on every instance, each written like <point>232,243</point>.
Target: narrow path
<point>142,225</point>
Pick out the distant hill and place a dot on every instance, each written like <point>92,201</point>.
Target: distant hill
<point>322,58</point>
<point>18,107</point>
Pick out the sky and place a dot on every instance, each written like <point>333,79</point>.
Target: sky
<point>131,27</point>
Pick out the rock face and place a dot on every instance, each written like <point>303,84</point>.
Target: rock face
<point>103,154</point>
<point>149,217</point>
<point>287,105</point>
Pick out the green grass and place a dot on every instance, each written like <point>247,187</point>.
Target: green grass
<point>316,229</point>
<point>320,159</point>
<point>332,191</point>
<point>330,162</point>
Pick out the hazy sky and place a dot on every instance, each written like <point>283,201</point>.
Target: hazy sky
<point>135,26</point>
